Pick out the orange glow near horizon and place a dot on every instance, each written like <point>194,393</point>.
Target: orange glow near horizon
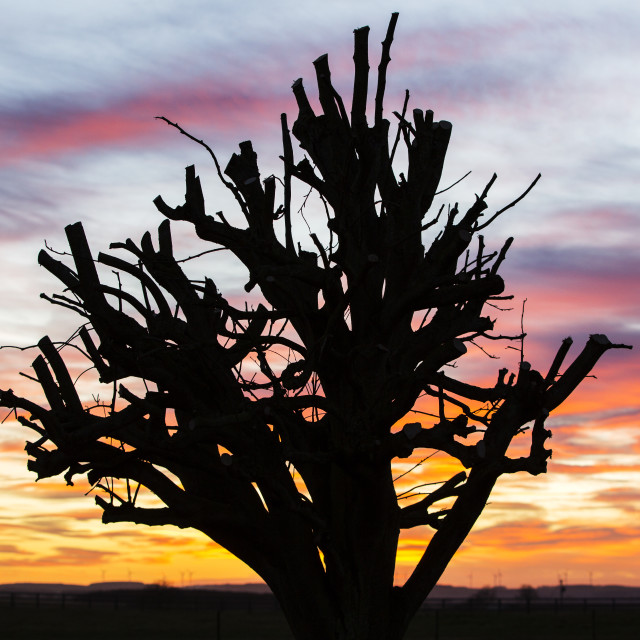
<point>579,520</point>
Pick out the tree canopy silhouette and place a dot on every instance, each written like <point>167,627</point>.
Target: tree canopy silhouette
<point>273,428</point>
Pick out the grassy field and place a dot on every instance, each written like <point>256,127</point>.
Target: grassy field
<point>518,625</point>
<point>102,624</point>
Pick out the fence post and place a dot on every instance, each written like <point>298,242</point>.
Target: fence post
<point>218,637</point>
<point>436,631</point>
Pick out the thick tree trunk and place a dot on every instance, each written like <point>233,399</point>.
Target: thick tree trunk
<point>365,528</point>
<point>355,598</point>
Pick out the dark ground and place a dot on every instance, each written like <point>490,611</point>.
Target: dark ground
<point>98,624</point>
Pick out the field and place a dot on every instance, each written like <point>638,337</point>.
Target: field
<point>26,623</point>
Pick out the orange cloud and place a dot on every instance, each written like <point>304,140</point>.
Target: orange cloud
<point>64,556</point>
<point>625,499</point>
<point>12,446</point>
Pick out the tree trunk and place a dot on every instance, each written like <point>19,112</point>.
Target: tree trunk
<point>355,598</point>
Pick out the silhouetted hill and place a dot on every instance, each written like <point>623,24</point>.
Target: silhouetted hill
<point>448,591</point>
<point>48,587</point>
<point>258,587</point>
<point>570,591</point>
<point>439,592</point>
<point>590,591</point>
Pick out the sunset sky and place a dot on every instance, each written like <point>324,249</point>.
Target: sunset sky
<point>550,87</point>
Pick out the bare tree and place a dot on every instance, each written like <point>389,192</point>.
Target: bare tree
<point>289,466</point>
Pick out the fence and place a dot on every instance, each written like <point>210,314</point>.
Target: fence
<point>205,599</point>
<point>531,604</point>
<point>236,615</point>
<point>152,598</point>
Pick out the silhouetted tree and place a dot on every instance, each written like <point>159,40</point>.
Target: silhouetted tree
<point>527,592</point>
<point>485,595</point>
<point>289,466</point>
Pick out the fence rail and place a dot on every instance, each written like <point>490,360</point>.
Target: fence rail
<point>142,599</point>
<point>537,603</point>
<point>202,599</point>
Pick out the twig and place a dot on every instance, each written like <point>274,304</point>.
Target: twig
<point>237,195</point>
<point>58,253</point>
<point>404,112</point>
<point>202,253</point>
<point>511,204</point>
<point>415,466</point>
<point>522,333</point>
<point>466,175</point>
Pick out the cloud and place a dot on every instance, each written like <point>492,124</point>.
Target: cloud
<point>538,535</point>
<point>588,469</point>
<point>129,123</point>
<point>627,499</point>
<point>53,489</point>
<point>11,549</point>
<point>605,415</point>
<point>508,507</point>
<point>592,263</point>
<point>92,515</point>
<point>64,556</point>
<point>12,446</point>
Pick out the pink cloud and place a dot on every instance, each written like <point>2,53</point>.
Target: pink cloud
<point>129,122</point>
<point>250,103</point>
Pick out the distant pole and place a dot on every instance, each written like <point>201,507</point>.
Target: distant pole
<point>562,588</point>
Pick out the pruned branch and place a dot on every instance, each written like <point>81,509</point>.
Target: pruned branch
<point>579,369</point>
<point>360,79</point>
<point>417,513</point>
<point>385,59</point>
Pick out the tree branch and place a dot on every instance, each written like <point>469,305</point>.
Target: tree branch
<point>385,59</point>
